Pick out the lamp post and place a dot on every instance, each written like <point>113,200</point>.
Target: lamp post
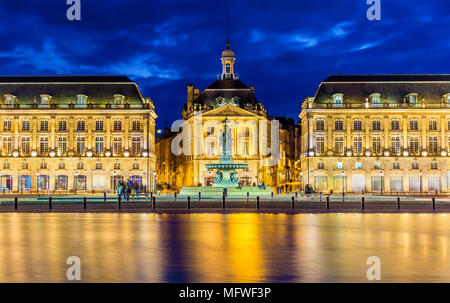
<point>420,173</point>
<point>114,181</point>
<point>343,186</point>
<point>154,182</point>
<point>301,180</point>
<point>382,183</point>
<point>75,181</point>
<point>37,183</point>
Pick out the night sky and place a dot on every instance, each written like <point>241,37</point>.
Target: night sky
<point>283,48</point>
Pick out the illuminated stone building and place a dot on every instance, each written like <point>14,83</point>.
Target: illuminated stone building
<point>74,133</point>
<point>229,98</point>
<point>378,133</point>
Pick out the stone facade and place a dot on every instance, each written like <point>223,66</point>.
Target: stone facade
<point>75,134</point>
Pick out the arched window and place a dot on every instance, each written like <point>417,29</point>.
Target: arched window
<point>228,67</point>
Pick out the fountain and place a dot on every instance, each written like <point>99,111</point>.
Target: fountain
<point>226,180</point>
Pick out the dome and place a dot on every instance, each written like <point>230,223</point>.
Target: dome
<point>227,53</point>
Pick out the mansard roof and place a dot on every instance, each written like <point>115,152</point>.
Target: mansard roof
<point>392,88</point>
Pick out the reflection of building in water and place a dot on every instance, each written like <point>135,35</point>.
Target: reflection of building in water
<point>229,98</point>
<point>62,133</point>
<point>378,134</point>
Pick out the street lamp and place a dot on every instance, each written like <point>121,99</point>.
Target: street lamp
<point>343,186</point>
<point>114,181</point>
<point>301,180</point>
<point>76,183</point>
<point>420,173</point>
<point>37,182</point>
<point>382,183</point>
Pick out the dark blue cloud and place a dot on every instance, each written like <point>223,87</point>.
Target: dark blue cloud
<point>283,48</point>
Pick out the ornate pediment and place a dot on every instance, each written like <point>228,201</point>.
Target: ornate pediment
<point>221,101</point>
<point>228,110</point>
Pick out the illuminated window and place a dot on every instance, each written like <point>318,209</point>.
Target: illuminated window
<point>377,165</point>
<point>81,99</point>
<point>434,165</point>
<point>99,125</point>
<point>43,145</point>
<point>338,125</point>
<point>7,125</point>
<point>136,127</point>
<point>98,165</point>
<point>135,165</point>
<point>118,99</point>
<point>117,146</point>
<point>117,125</point>
<point>81,145</point>
<point>320,125</point>
<point>376,145</point>
<point>116,165</point>
<point>339,145</point>
<point>25,145</point>
<point>415,165</point>
<point>432,125</point>
<point>7,145</point>
<point>413,125</point>
<point>320,145</point>
<point>9,100</point>
<point>395,145</point>
<point>432,145</point>
<point>395,125</point>
<point>376,125</point>
<point>412,98</point>
<point>81,125</point>
<point>44,126</point>
<point>396,165</point>
<point>45,99</point>
<point>62,145</point>
<point>80,165</point>
<point>99,145</point>
<point>26,125</point>
<point>358,165</point>
<point>136,146</point>
<point>320,165</point>
<point>357,145</point>
<point>414,145</point>
<point>357,125</point>
<point>338,100</point>
<point>62,165</point>
<point>62,126</point>
<point>43,165</point>
<point>25,165</point>
<point>339,165</point>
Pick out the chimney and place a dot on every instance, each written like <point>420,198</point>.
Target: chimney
<point>190,96</point>
<point>252,88</point>
<point>196,93</point>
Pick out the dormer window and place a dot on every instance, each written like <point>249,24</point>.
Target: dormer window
<point>412,98</point>
<point>82,99</point>
<point>375,99</point>
<point>9,99</point>
<point>447,99</point>
<point>45,99</point>
<point>118,99</point>
<point>338,99</point>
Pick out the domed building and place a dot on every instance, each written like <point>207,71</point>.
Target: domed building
<point>227,97</point>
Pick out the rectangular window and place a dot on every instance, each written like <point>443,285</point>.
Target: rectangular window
<point>210,147</point>
<point>320,145</point>
<point>320,165</point>
<point>432,125</point>
<point>81,126</point>
<point>25,145</point>
<point>358,165</point>
<point>98,165</point>
<point>99,125</point>
<point>396,165</point>
<point>338,125</point>
<point>24,165</point>
<point>62,145</point>
<point>415,165</point>
<point>414,145</point>
<point>413,125</point>
<point>434,165</point>
<point>339,165</point>
<point>376,125</point>
<point>395,145</point>
<point>432,145</point>
<point>136,146</point>
<point>99,145</point>
<point>6,165</point>
<point>80,165</point>
<point>7,145</point>
<point>44,126</point>
<point>339,145</point>
<point>395,125</point>
<point>357,145</point>
<point>116,165</point>
<point>43,165</point>
<point>320,125</point>
<point>377,165</point>
<point>135,165</point>
<point>81,145</point>
<point>117,125</point>
<point>376,145</point>
<point>62,165</point>
<point>117,146</point>
<point>7,125</point>
<point>26,125</point>
<point>62,126</point>
<point>136,126</point>
<point>43,145</point>
<point>357,125</point>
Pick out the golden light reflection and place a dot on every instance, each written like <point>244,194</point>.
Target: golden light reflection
<point>224,248</point>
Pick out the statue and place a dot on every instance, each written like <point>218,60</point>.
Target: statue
<point>234,177</point>
<point>219,177</point>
